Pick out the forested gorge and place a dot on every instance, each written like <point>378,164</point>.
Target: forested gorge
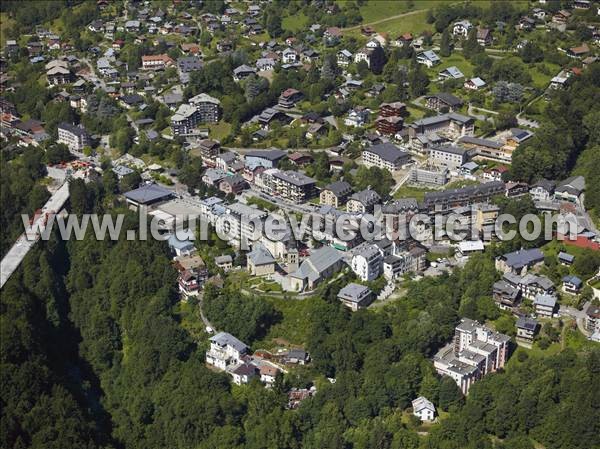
<point>93,355</point>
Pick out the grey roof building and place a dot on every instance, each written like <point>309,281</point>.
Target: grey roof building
<point>148,194</point>
<point>355,296</point>
<point>450,199</point>
<point>322,263</point>
<point>520,260</point>
<point>188,64</point>
<point>224,339</point>
<point>339,188</point>
<point>545,305</point>
<point>260,255</point>
<point>385,156</point>
<point>363,201</point>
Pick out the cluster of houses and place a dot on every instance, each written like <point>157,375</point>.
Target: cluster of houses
<point>520,282</point>
<point>228,354</point>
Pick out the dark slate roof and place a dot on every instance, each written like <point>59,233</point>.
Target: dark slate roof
<point>295,178</point>
<point>245,369</point>
<point>366,197</point>
<point>271,155</point>
<point>527,323</point>
<point>400,205</point>
<point>339,188</point>
<point>260,255</point>
<point>566,257</point>
<point>78,131</point>
<point>451,149</point>
<point>545,184</point>
<point>449,99</point>
<point>573,280</point>
<point>387,151</point>
<point>480,142</point>
<point>148,193</point>
<point>521,258</point>
<point>488,187</point>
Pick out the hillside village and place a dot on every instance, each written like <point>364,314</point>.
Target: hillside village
<point>238,112</point>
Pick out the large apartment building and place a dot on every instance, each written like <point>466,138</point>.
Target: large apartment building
<point>241,223</point>
<point>290,185</point>
<point>208,108</point>
<point>451,125</point>
<point>451,156</point>
<point>366,261</point>
<point>74,137</point>
<point>184,120</point>
<point>447,200</point>
<point>475,352</point>
<point>156,62</point>
<point>385,156</point>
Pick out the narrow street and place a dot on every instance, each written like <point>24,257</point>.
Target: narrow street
<point>207,323</point>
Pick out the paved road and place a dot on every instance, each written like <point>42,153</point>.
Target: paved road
<point>477,116</point>
<point>579,316</point>
<point>25,242</point>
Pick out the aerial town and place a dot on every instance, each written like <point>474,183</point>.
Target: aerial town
<point>370,133</point>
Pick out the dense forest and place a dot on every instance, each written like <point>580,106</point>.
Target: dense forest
<point>94,355</point>
<point>20,192</point>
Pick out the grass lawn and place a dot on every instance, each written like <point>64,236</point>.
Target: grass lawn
<point>415,113</point>
<point>555,246</point>
<point>374,10</point>
<point>577,341</point>
<point>412,192</point>
<point>295,23</point>
<point>541,80</point>
<point>457,60</point>
<point>414,23</point>
<point>219,130</point>
<point>262,204</point>
<point>461,183</point>
<point>535,351</point>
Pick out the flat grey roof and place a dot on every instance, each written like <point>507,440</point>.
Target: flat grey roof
<point>353,292</point>
<point>148,193</point>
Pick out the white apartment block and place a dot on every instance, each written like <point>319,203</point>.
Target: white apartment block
<point>367,262</point>
<point>225,351</point>
<point>475,352</point>
<point>74,137</point>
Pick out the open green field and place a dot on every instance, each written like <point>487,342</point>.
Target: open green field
<point>414,23</point>
<point>411,192</point>
<point>375,10</point>
<point>415,113</point>
<point>541,80</point>
<point>295,23</point>
<point>219,130</point>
